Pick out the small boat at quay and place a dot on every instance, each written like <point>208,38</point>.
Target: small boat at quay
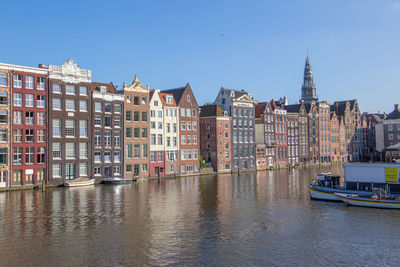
<point>326,185</point>
<point>115,180</point>
<point>379,199</point>
<point>79,182</point>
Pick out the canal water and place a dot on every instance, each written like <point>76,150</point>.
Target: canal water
<point>263,218</point>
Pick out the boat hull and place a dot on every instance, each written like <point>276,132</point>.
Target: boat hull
<point>116,181</point>
<point>78,184</point>
<point>326,193</point>
<point>354,200</point>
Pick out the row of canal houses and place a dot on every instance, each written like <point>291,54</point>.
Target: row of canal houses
<point>57,124</point>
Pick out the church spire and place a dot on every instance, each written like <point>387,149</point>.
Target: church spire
<point>308,90</point>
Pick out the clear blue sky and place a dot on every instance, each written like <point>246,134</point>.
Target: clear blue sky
<point>354,45</point>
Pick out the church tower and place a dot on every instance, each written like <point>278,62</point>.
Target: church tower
<point>308,90</point>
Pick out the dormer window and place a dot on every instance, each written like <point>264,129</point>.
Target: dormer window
<point>188,98</point>
<point>232,94</point>
<point>156,103</point>
<point>169,99</point>
<point>103,89</point>
<point>223,101</point>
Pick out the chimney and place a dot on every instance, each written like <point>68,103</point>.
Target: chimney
<point>42,66</point>
<point>396,106</point>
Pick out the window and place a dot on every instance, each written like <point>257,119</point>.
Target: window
<point>3,98</point>
<point>183,125</point>
<point>97,121</point>
<point>97,156</point>
<point>83,169</point>
<point>128,115</point>
<point>117,156</point>
<point>144,100</point>
<point>117,139</point>
<point>117,122</point>
<point>136,116</point>
<point>160,139</point>
<point>117,108</point>
<point>183,139</point>
<point>136,150</point>
<point>83,90</point>
<point>57,103</point>
<point>70,150</point>
<point>70,171</point>
<point>169,99</point>
<point>56,88</point>
<point>103,89</point>
<point>98,107</point>
<point>3,156</point>
<point>40,155</point>
<point>194,139</point>
<point>56,170</point>
<point>56,150</point>
<point>144,150</point>
<point>136,132</point>
<point>136,100</point>
<point>152,156</point>
<point>128,133</point>
<point>107,156</point>
<point>29,135</point>
<point>188,98</point>
<point>183,112</point>
<point>159,156</point>
<point>152,113</point>
<point>40,136</point>
<point>70,89</point>
<point>188,112</point>
<point>17,80</point>
<point>3,117</point>
<point>3,79</point>
<point>189,125</point>
<point>107,122</point>
<point>83,128</point>
<point>70,104</point>
<point>194,124</point>
<point>57,127</point>
<point>107,138</point>
<point>108,107</point>
<point>128,99</point>
<point>152,139</point>
<point>83,105</point>
<point>144,132</point>
<point>29,155</point>
<point>174,127</point>
<point>174,141</point>
<point>97,171</point>
<point>159,125</point>
<point>168,127</point>
<point>3,135</point>
<point>144,167</point>
<point>129,151</point>
<point>194,112</point>
<point>117,170</point>
<point>17,100</point>
<point>40,83</point>
<point>160,114</point>
<point>17,133</point>
<point>189,139</point>
<point>168,141</point>
<point>144,116</point>
<point>41,119</point>
<point>17,159</point>
<point>70,128</point>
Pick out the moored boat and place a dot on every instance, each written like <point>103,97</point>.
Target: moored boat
<point>374,201</point>
<point>79,182</point>
<point>115,180</point>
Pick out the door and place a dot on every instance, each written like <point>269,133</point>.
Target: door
<point>70,171</point>
<point>17,178</point>
<point>107,172</point>
<point>3,178</point>
<point>136,170</point>
<point>157,170</point>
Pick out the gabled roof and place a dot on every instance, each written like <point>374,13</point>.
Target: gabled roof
<point>110,87</point>
<point>259,109</point>
<point>213,110</point>
<point>295,108</point>
<point>163,97</point>
<point>177,92</point>
<point>394,115</point>
<point>340,106</point>
<point>237,93</point>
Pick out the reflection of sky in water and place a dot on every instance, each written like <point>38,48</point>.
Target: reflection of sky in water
<point>251,219</point>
